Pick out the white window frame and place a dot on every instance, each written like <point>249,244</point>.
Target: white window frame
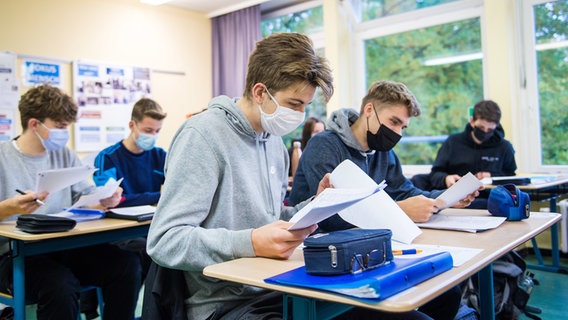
<point>529,108</point>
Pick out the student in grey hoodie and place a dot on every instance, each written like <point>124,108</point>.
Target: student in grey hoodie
<point>227,172</point>
<point>367,139</point>
<point>226,177</point>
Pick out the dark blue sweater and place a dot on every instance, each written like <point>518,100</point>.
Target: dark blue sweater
<point>328,149</point>
<point>143,173</point>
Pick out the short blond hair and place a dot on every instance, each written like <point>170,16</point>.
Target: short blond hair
<point>389,93</point>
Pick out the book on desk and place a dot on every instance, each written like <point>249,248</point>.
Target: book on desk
<point>377,284</point>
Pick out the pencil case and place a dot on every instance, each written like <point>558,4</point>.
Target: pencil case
<point>347,251</point>
<point>43,223</point>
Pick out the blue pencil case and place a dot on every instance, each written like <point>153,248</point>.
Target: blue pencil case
<point>347,251</point>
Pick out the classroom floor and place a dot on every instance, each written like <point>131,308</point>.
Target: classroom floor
<point>550,295</point>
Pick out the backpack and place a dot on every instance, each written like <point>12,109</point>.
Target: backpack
<point>512,288</point>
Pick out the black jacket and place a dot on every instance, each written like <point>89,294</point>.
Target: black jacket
<point>459,154</point>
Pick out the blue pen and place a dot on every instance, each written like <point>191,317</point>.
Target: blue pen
<point>35,199</point>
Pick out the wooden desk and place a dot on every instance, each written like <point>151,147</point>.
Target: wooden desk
<point>552,190</point>
<point>495,243</point>
<point>84,234</point>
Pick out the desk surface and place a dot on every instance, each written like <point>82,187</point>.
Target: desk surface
<point>554,181</point>
<point>495,243</point>
<point>8,229</point>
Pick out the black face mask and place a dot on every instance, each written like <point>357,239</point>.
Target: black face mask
<point>384,140</point>
<point>481,135</point>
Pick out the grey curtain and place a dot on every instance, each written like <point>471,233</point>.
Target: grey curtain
<point>234,37</point>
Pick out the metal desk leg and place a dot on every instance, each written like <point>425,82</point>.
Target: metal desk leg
<point>486,302</point>
<point>312,309</point>
<point>19,280</point>
<point>555,248</point>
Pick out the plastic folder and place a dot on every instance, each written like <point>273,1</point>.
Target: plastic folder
<point>376,284</point>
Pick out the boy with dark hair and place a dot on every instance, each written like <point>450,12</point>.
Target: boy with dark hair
<point>54,279</point>
<point>480,149</point>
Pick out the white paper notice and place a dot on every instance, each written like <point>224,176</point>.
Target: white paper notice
<point>465,185</point>
<point>328,203</point>
<point>462,223</point>
<point>57,179</point>
<point>100,193</point>
<point>378,211</point>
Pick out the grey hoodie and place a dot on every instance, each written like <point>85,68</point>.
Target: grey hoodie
<point>222,180</point>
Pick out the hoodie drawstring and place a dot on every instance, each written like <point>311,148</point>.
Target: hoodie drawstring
<point>268,196</point>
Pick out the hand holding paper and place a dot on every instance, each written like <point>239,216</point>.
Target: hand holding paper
<point>378,211</point>
<point>458,191</point>
<point>101,193</point>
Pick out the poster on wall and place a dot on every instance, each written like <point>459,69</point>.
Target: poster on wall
<point>105,95</point>
<point>36,72</point>
<point>9,95</point>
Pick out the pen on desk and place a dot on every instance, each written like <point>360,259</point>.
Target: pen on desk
<point>35,199</point>
<point>407,251</point>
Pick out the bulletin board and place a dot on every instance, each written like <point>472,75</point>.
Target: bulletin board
<point>105,95</point>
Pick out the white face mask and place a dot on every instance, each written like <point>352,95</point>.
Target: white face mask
<point>282,121</point>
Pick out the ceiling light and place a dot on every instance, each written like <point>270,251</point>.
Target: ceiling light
<point>154,2</point>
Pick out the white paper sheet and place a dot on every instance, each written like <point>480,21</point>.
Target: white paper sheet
<point>134,211</point>
<point>328,203</point>
<point>460,255</point>
<point>462,223</point>
<point>378,211</point>
<point>57,179</point>
<point>459,190</point>
<point>100,193</point>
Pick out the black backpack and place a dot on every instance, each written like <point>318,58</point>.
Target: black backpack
<point>512,288</point>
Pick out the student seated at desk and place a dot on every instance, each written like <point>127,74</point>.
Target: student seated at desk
<point>54,280</point>
<point>480,149</point>
<point>367,139</point>
<point>226,176</point>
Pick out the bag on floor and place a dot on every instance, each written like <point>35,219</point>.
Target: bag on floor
<point>512,288</point>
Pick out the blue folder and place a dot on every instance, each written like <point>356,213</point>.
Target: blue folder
<point>377,284</point>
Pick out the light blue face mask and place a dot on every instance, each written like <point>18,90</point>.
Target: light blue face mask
<point>146,141</point>
<point>57,138</point>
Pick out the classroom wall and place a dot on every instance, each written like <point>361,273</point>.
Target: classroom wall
<point>165,39</point>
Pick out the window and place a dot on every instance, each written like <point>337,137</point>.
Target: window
<point>441,63</point>
<point>546,47</point>
<point>373,9</point>
<point>306,18</point>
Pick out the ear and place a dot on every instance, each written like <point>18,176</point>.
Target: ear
<point>33,123</point>
<point>368,110</point>
<point>258,91</point>
<point>471,121</point>
<point>131,124</point>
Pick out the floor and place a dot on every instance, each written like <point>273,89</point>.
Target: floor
<point>551,295</point>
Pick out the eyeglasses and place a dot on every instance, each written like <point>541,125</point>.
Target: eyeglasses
<point>369,261</point>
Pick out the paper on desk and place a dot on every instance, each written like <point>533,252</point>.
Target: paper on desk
<point>328,203</point>
<point>57,179</point>
<point>378,211</point>
<point>460,255</point>
<point>100,193</point>
<point>135,210</point>
<point>462,223</point>
<point>459,190</point>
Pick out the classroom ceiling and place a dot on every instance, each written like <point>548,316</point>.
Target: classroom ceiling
<point>215,8</point>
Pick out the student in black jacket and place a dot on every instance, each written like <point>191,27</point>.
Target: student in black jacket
<point>480,149</point>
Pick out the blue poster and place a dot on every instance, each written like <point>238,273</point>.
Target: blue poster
<point>40,72</point>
